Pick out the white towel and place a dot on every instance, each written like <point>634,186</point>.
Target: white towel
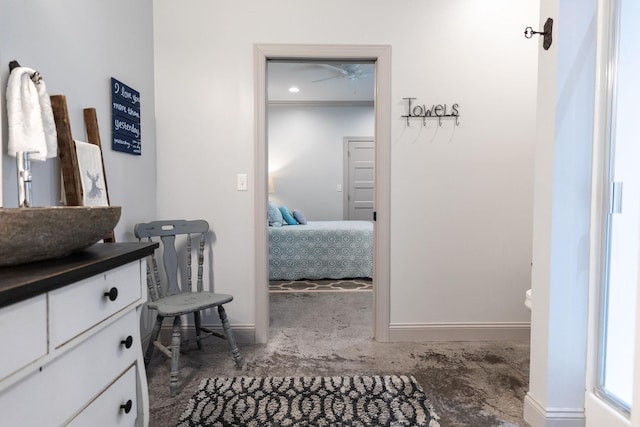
<point>30,117</point>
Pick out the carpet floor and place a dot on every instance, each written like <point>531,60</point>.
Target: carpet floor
<point>469,384</point>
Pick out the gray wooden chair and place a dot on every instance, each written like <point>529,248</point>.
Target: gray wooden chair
<point>176,298</point>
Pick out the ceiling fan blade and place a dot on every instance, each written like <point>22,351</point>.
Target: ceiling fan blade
<point>333,67</point>
<point>326,78</point>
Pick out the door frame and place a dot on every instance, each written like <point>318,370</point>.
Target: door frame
<point>381,55</point>
<point>598,409</point>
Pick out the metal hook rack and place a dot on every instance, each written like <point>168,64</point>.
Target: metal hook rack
<point>547,33</point>
<point>454,117</point>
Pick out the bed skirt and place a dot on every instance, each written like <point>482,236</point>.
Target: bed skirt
<point>321,250</point>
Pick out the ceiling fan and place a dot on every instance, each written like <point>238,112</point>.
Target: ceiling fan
<point>351,72</point>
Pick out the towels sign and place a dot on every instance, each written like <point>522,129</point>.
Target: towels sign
<point>438,112</point>
<point>125,118</point>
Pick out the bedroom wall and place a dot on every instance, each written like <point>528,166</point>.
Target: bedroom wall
<point>306,155</point>
<point>461,198</point>
<point>78,47</point>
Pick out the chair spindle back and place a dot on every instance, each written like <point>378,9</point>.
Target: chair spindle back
<point>167,231</point>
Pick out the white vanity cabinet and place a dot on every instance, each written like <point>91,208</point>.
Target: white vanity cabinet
<point>71,351</point>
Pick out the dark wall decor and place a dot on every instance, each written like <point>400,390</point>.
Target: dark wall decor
<point>433,111</point>
<point>547,33</point>
<point>125,118</point>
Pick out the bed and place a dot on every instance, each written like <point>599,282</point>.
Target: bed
<point>321,250</point>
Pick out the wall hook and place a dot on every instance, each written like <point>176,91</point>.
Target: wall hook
<point>548,30</point>
<point>35,77</point>
<point>13,64</point>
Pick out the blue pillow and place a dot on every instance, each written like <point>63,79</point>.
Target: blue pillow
<point>299,216</point>
<point>287,216</point>
<point>274,215</point>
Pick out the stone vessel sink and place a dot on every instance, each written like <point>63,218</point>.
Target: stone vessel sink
<point>35,234</point>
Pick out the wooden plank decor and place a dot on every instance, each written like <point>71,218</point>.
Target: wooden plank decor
<point>67,152</point>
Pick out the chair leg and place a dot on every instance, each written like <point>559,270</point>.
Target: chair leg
<point>229,334</point>
<point>196,318</point>
<point>175,355</point>
<point>154,337</point>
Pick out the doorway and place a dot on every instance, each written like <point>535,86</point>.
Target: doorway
<point>381,57</point>
<point>311,106</point>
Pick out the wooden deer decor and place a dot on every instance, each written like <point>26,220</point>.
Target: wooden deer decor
<point>67,152</point>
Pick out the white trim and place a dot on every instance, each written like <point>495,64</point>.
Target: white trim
<point>1,162</point>
<point>321,103</point>
<point>538,416</point>
<point>472,331</point>
<point>600,413</point>
<point>381,54</point>
<point>599,193</point>
<point>260,195</point>
<point>244,334</point>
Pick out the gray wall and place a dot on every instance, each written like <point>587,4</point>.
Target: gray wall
<point>306,155</point>
<point>78,46</point>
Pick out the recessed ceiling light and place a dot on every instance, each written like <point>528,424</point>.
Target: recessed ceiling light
<point>294,89</point>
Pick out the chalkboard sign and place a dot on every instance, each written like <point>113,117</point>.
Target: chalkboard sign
<point>125,118</point>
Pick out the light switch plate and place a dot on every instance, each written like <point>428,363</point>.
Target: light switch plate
<point>242,182</point>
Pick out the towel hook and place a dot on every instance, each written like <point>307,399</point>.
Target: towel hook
<point>12,65</point>
<point>36,77</point>
<point>548,29</point>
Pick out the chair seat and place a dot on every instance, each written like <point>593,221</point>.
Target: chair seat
<point>185,303</point>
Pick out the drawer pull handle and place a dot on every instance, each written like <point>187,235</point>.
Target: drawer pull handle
<point>112,294</point>
<point>127,343</point>
<point>127,406</point>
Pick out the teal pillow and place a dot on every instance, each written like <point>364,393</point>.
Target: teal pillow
<point>299,216</point>
<point>274,216</point>
<point>286,215</point>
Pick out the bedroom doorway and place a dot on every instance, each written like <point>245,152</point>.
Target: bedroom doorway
<point>379,56</point>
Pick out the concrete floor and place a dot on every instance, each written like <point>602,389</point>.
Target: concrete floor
<point>472,384</point>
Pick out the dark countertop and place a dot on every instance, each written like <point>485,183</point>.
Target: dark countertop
<point>20,282</point>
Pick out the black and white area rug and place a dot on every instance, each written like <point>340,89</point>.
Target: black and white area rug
<point>309,401</point>
<point>322,285</point>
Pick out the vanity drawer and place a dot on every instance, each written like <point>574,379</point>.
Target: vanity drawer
<point>67,384</point>
<point>23,334</point>
<point>116,406</point>
<point>78,307</point>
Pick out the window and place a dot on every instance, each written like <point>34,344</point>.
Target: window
<point>621,228</point>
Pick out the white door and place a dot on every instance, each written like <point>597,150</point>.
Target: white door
<point>359,178</point>
<point>610,396</point>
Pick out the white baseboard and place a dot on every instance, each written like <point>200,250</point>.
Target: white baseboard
<point>401,332</point>
<point>421,332</point>
<point>538,416</point>
<point>244,334</point>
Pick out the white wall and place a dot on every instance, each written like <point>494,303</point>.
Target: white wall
<point>306,155</point>
<point>461,209</point>
<point>78,47</point>
<point>562,203</point>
